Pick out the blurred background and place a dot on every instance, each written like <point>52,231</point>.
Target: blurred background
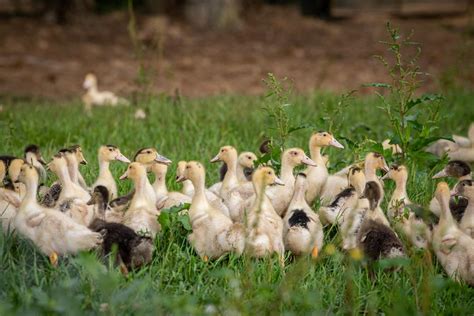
<point>206,47</point>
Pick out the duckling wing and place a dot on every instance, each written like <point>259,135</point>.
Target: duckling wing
<point>52,196</point>
<point>122,202</point>
<point>10,197</point>
<point>36,219</point>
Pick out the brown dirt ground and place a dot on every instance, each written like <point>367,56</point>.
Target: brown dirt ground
<point>43,59</point>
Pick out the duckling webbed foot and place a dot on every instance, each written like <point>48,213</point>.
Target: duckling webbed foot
<point>53,258</point>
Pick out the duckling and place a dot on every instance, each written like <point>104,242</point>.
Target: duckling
<point>133,250</point>
<point>77,150</point>
<point>302,231</point>
<point>400,209</point>
<point>9,204</point>
<point>165,198</point>
<point>214,234</point>
<point>14,168</point>
<point>102,210</point>
<point>94,97</point>
<point>188,189</point>
<point>317,176</point>
<point>244,170</point>
<point>443,146</point>
<point>52,232</point>
<point>107,154</point>
<point>465,188</point>
<point>462,153</point>
<point>395,148</point>
<point>264,225</point>
<point>3,171</point>
<point>376,239</point>
<point>453,248</point>
<point>280,196</point>
<point>455,169</point>
<point>142,213</point>
<point>33,156</point>
<point>373,162</point>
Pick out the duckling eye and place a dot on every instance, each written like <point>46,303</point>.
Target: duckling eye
<point>248,157</point>
<point>294,153</point>
<point>187,167</point>
<point>324,134</point>
<point>222,150</point>
<point>269,173</point>
<point>148,152</point>
<point>110,149</point>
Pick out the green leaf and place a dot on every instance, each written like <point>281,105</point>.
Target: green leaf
<point>424,98</point>
<point>164,220</point>
<point>185,221</point>
<point>302,126</point>
<point>378,85</point>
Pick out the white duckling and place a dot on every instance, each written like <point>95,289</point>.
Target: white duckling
<point>465,188</point>
<point>302,230</point>
<point>51,231</point>
<point>214,234</point>
<point>94,97</point>
<point>442,146</point>
<point>33,156</point>
<point>453,248</point>
<point>244,170</point>
<point>455,169</point>
<point>412,226</point>
<point>165,198</point>
<point>9,203</point>
<point>141,215</point>
<point>317,176</point>
<point>108,154</point>
<point>395,148</point>
<point>77,150</point>
<point>264,225</point>
<point>188,189</point>
<point>280,196</point>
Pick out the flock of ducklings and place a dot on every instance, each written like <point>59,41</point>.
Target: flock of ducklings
<point>251,211</point>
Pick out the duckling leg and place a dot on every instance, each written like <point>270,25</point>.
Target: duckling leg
<point>281,259</point>
<point>315,252</point>
<point>53,258</point>
<point>123,269</point>
<point>205,258</point>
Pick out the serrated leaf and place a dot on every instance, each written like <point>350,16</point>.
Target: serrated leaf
<point>185,221</point>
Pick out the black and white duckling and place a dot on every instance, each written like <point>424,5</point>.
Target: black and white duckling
<point>455,169</point>
<point>133,250</point>
<point>107,154</point>
<point>142,214</point>
<point>264,225</point>
<point>102,210</point>
<point>302,230</point>
<point>188,189</point>
<point>453,248</point>
<point>214,234</point>
<point>318,175</point>
<point>376,239</point>
<point>51,231</point>
<point>400,210</point>
<point>465,188</point>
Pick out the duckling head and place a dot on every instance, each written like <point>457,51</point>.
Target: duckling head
<point>110,153</point>
<point>397,173</point>
<point>159,170</point>
<point>180,169</point>
<point>324,139</point>
<point>377,161</point>
<point>148,155</point>
<point>90,81</point>
<point>247,159</point>
<point>356,178</point>
<point>100,195</point>
<point>77,150</point>
<point>58,163</point>
<point>226,154</point>
<point>455,169</point>
<point>70,156</point>
<point>14,168</point>
<point>372,192</point>
<point>442,192</point>
<point>32,152</point>
<point>295,157</point>
<point>28,173</point>
<point>193,171</point>
<point>465,188</point>
<point>265,176</point>
<point>135,171</point>
<point>300,182</point>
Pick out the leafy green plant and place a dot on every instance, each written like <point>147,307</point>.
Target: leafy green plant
<point>175,217</point>
<point>413,119</point>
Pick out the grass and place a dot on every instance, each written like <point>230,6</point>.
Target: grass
<point>177,281</point>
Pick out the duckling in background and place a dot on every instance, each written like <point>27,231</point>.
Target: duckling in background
<point>317,176</point>
<point>280,196</point>
<point>454,169</point>
<point>465,188</point>
<point>376,239</point>
<point>264,225</point>
<point>244,170</point>
<point>102,210</point>
<point>453,248</point>
<point>133,250</point>
<point>461,153</point>
<point>400,210</point>
<point>214,234</point>
<point>188,189</point>
<point>51,231</point>
<point>141,215</point>
<point>443,146</point>
<point>14,167</point>
<point>33,156</point>
<point>165,199</point>
<point>395,148</point>
<point>302,230</point>
<point>107,154</point>
<point>94,97</point>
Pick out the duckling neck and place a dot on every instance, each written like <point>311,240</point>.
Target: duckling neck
<point>65,179</point>
<point>93,89</point>
<point>400,188</point>
<point>259,190</point>
<point>370,173</point>
<point>199,192</point>
<point>299,194</point>
<point>315,152</point>
<point>73,169</point>
<point>160,185</point>
<point>104,171</point>
<point>188,187</point>
<point>446,216</point>
<point>30,192</point>
<point>287,173</point>
<point>230,178</point>
<point>140,196</point>
<point>466,177</point>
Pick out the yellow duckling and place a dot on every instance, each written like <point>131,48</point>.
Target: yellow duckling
<point>51,231</point>
<point>214,234</point>
<point>77,150</point>
<point>165,199</point>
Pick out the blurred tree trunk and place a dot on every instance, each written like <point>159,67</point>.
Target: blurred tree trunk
<point>222,14</point>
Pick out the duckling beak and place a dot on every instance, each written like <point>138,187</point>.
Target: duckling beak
<point>41,160</point>
<point>162,159</point>
<point>83,162</point>
<point>122,158</point>
<point>441,174</point>
<point>91,201</point>
<point>385,167</point>
<point>308,161</point>
<point>215,159</point>
<point>385,176</point>
<point>124,176</point>
<point>336,144</point>
<point>278,181</point>
<point>180,179</point>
